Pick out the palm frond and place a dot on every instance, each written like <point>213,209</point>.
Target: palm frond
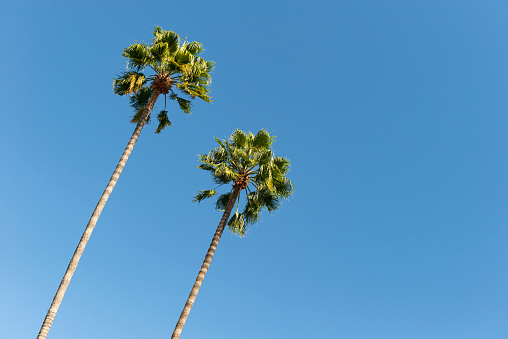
<point>194,47</point>
<point>206,167</point>
<point>269,200</point>
<point>128,82</point>
<point>237,224</point>
<point>220,142</point>
<point>263,157</point>
<point>170,38</point>
<point>209,65</point>
<point>221,179</point>
<point>163,121</point>
<point>263,177</point>
<point>138,101</point>
<point>224,170</point>
<point>252,208</point>
<point>204,194</point>
<point>183,56</point>
<point>263,140</point>
<point>137,57</point>
<point>141,98</point>
<point>284,188</point>
<point>194,91</point>
<point>282,164</point>
<point>185,105</point>
<point>250,139</point>
<point>239,138</point>
<point>159,52</point>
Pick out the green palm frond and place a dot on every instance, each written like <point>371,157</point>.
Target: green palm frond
<point>128,82</point>
<point>221,179</point>
<point>194,90</point>
<point>284,188</point>
<point>252,208</point>
<point>168,37</point>
<point>269,200</point>
<point>185,105</point>
<point>263,157</point>
<point>138,101</point>
<point>223,170</point>
<point>141,98</point>
<point>221,144</point>
<point>264,177</point>
<point>207,167</point>
<point>262,140</point>
<point>137,57</point>
<point>250,139</point>
<point>282,164</point>
<point>184,57</point>
<point>247,155</point>
<point>209,66</point>
<point>242,155</point>
<point>194,47</point>
<point>163,121</point>
<point>159,52</point>
<point>239,138</point>
<point>205,194</point>
<point>237,224</point>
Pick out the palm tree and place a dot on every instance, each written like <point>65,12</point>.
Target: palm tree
<point>248,163</point>
<point>173,65</point>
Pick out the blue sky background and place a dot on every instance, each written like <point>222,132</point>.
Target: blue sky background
<point>392,113</point>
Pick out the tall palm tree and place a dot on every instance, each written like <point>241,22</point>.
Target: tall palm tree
<point>248,163</point>
<point>165,66</point>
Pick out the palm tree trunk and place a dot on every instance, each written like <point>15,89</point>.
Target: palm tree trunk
<point>57,300</point>
<point>206,263</point>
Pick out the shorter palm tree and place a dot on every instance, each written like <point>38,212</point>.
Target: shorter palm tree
<point>247,162</point>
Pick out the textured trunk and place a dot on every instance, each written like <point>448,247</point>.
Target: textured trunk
<point>206,263</point>
<point>57,300</point>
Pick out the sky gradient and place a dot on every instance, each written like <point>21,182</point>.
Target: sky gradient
<point>394,117</point>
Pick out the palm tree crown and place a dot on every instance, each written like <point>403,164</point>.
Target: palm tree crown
<point>173,65</point>
<point>247,161</point>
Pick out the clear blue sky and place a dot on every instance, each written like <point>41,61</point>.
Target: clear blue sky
<point>393,114</point>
